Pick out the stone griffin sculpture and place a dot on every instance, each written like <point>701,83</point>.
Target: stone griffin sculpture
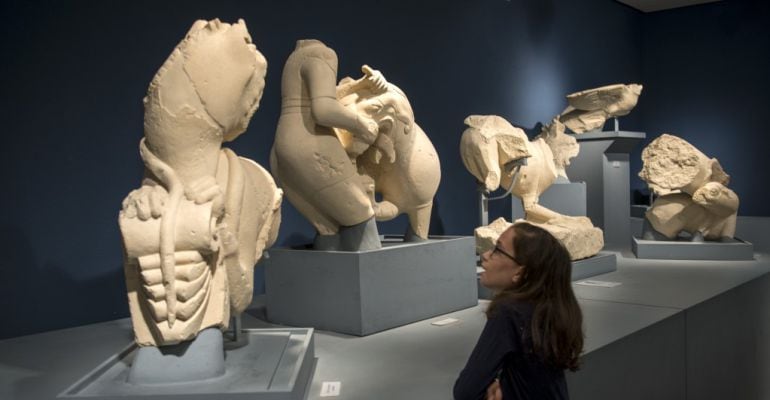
<point>402,165</point>
<point>589,109</point>
<point>196,227</point>
<point>336,146</point>
<point>493,151</point>
<point>692,190</point>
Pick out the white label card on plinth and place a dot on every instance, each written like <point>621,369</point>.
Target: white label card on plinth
<point>445,321</point>
<point>330,389</point>
<point>605,284</point>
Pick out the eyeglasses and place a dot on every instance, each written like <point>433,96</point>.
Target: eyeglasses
<point>497,249</point>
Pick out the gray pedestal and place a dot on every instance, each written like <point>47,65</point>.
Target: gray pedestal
<point>361,293</point>
<point>567,198</point>
<point>275,364</point>
<point>601,263</point>
<point>603,164</point>
<point>735,249</point>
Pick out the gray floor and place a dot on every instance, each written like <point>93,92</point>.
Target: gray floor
<point>671,329</point>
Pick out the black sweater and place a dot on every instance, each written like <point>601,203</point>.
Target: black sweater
<point>505,347</point>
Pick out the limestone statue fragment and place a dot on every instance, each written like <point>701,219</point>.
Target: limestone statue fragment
<point>401,165</point>
<point>486,236</point>
<point>589,109</point>
<point>563,146</point>
<point>577,234</point>
<point>336,146</point>
<point>692,190</point>
<point>202,217</point>
<point>307,158</point>
<point>499,154</point>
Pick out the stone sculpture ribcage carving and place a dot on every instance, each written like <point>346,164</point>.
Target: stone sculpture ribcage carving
<point>195,229</point>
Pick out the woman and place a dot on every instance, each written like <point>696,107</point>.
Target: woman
<point>534,324</point>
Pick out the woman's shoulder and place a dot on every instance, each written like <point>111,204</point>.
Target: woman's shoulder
<point>517,310</point>
<point>516,305</point>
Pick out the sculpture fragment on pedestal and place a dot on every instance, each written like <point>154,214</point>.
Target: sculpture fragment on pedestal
<point>589,109</point>
<point>401,165</point>
<point>486,236</point>
<point>336,146</point>
<point>196,227</point>
<point>493,151</point>
<point>692,190</point>
<point>563,146</point>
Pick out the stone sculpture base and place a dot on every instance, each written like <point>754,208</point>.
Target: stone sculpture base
<point>601,263</point>
<point>604,165</point>
<point>568,198</point>
<point>360,293</point>
<point>194,360</point>
<point>275,364</point>
<point>683,249</point>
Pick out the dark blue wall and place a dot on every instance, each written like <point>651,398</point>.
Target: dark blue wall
<point>74,74</point>
<point>706,75</point>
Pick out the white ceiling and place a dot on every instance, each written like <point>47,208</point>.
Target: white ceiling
<point>657,5</point>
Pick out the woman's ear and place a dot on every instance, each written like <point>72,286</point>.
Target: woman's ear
<point>518,275</point>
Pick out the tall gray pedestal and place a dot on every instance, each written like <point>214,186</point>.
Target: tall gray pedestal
<point>360,293</point>
<point>568,198</point>
<point>603,164</point>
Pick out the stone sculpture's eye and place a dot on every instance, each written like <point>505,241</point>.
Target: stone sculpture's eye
<point>373,108</point>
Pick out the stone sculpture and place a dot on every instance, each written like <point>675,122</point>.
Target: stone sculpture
<point>402,165</point>
<point>563,146</point>
<point>492,150</point>
<point>196,227</point>
<point>589,109</point>
<point>308,159</point>
<point>692,189</point>
<point>486,236</point>
<point>336,146</point>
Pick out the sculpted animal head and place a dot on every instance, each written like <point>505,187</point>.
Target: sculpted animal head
<point>488,144</point>
<point>389,108</point>
<point>212,82</point>
<point>717,198</point>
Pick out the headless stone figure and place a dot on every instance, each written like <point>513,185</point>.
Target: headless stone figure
<point>308,160</point>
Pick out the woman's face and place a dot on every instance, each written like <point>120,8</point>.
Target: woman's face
<point>500,270</point>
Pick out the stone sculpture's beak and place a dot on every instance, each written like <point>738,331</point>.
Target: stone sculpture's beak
<point>480,156</point>
<point>489,142</point>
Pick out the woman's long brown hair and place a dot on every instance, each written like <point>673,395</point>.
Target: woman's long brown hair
<point>557,322</point>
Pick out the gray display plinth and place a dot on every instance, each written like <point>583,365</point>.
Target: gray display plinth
<point>601,263</point>
<point>735,249</point>
<point>360,293</point>
<point>276,364</point>
<point>568,198</point>
<point>603,164</point>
